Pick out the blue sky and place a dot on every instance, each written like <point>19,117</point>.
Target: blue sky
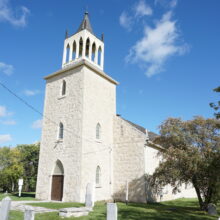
<point>164,53</point>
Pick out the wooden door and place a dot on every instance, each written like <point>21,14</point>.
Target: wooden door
<point>57,187</point>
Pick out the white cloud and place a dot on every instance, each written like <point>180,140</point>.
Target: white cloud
<point>28,92</point>
<point>157,45</point>
<point>173,3</point>
<point>37,124</point>
<point>7,14</point>
<point>5,138</point>
<point>142,9</point>
<point>7,69</point>
<point>3,111</point>
<point>125,21</point>
<point>9,122</point>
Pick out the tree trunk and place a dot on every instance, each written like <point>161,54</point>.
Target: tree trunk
<point>201,203</point>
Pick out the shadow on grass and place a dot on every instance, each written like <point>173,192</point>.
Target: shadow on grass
<point>178,209</point>
<point>24,194</point>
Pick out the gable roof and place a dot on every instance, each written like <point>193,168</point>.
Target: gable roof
<point>151,134</point>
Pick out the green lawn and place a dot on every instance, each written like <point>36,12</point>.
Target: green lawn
<point>184,209</point>
<point>15,197</point>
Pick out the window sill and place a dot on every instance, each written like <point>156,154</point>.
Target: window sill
<point>61,97</point>
<point>98,186</point>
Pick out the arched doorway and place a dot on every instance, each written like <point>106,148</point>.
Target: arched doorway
<point>57,182</point>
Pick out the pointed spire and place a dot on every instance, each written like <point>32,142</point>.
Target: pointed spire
<point>66,34</point>
<point>85,24</point>
<point>102,37</point>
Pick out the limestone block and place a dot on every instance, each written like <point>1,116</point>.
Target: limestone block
<point>112,211</point>
<point>29,213</point>
<point>5,208</point>
<point>90,195</point>
<point>76,212</point>
<point>212,209</point>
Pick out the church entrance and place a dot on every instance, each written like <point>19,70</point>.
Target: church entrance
<point>57,182</point>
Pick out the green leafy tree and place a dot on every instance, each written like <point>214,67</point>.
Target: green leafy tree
<point>29,160</point>
<point>216,106</point>
<point>11,168</point>
<point>191,156</point>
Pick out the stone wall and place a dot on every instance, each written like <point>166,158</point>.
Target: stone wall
<point>68,110</point>
<point>129,164</point>
<point>99,106</point>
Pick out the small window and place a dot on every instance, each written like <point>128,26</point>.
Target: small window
<point>61,130</point>
<point>98,176</point>
<point>98,131</point>
<point>63,88</point>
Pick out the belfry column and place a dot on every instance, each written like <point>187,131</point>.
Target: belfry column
<point>102,58</point>
<point>90,51</point>
<point>96,56</point>
<point>77,50</point>
<point>71,52</point>
<point>64,55</point>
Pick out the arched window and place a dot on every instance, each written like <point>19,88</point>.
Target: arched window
<point>61,130</point>
<point>67,53</point>
<point>99,55</point>
<point>87,47</point>
<point>98,176</point>
<point>93,51</point>
<point>80,47</point>
<point>63,91</point>
<point>74,51</point>
<point>98,131</point>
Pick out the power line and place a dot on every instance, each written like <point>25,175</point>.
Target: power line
<point>71,132</point>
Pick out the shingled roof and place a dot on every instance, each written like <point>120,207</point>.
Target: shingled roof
<point>85,24</point>
<point>151,134</point>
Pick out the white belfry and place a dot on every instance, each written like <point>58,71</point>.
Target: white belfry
<point>83,45</point>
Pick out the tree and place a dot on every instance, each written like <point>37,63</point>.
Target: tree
<point>19,162</point>
<point>29,160</point>
<point>191,156</point>
<point>216,107</point>
<point>11,168</point>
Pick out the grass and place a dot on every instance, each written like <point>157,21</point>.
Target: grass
<point>14,196</point>
<point>184,209</point>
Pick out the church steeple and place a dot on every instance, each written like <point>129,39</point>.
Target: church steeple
<point>85,24</point>
<point>84,45</point>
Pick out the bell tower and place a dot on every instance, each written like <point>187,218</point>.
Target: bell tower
<point>77,132</point>
<point>83,45</point>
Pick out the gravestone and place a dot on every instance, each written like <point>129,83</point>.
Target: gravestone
<point>212,209</point>
<point>5,208</point>
<point>112,211</point>
<point>29,213</point>
<point>90,195</point>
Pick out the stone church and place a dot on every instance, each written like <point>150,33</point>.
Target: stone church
<point>84,140</point>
